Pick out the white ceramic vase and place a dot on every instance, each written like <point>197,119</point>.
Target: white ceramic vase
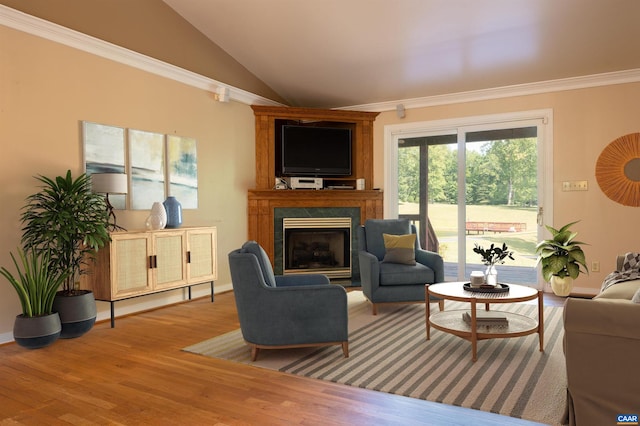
<point>158,217</point>
<point>561,286</point>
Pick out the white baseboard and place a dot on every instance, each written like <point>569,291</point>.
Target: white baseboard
<point>587,291</point>
<point>583,291</point>
<point>6,338</point>
<point>143,303</point>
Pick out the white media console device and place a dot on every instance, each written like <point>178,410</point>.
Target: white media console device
<point>305,183</point>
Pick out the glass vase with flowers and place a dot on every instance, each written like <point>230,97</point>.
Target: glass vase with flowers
<point>491,257</point>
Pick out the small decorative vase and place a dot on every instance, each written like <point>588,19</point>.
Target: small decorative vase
<point>491,276</point>
<point>158,217</point>
<point>561,286</point>
<point>174,212</point>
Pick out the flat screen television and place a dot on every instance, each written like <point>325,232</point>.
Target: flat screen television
<point>315,151</point>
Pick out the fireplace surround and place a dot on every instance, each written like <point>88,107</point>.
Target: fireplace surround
<point>267,209</point>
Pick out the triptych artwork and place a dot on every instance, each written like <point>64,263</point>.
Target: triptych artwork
<point>157,165</point>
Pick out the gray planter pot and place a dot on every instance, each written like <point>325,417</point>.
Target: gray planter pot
<point>77,313</point>
<point>36,332</point>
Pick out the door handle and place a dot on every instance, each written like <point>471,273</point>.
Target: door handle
<point>540,218</point>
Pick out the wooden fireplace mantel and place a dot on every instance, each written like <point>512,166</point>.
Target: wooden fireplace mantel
<point>264,199</point>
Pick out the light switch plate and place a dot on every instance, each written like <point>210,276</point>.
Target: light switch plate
<point>575,185</point>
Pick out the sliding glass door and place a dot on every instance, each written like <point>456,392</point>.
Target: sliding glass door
<point>478,184</point>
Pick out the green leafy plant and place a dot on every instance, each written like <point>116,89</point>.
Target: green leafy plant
<point>561,255</point>
<point>66,219</point>
<point>494,254</point>
<point>36,282</point>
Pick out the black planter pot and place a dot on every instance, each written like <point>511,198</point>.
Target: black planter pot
<point>36,332</point>
<point>77,312</point>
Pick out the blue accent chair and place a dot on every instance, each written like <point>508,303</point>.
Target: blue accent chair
<point>285,311</point>
<point>384,282</point>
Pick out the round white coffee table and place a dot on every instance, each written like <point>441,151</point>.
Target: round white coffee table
<point>452,321</point>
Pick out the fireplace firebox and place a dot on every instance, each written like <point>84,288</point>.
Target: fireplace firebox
<point>317,245</point>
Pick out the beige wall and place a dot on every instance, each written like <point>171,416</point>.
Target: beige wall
<point>585,122</point>
<point>47,89</point>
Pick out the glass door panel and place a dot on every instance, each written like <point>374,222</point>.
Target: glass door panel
<point>427,193</point>
<point>499,204</point>
<point>501,200</point>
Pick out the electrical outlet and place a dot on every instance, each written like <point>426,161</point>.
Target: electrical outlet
<point>581,185</point>
<point>595,266</point>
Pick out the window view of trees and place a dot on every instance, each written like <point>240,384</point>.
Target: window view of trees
<point>499,173</point>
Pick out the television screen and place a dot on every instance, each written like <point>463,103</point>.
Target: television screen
<point>315,151</point>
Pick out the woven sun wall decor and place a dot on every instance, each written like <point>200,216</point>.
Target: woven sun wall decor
<point>618,170</point>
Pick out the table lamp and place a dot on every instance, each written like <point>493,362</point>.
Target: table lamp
<point>110,183</point>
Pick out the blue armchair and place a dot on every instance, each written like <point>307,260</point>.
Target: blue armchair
<point>285,311</point>
<point>389,280</point>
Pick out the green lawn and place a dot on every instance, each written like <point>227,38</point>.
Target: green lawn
<point>444,220</point>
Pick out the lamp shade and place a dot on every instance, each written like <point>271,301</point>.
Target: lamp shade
<point>109,183</point>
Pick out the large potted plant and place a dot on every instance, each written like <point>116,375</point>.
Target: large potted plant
<point>562,259</point>
<point>36,284</point>
<point>71,222</point>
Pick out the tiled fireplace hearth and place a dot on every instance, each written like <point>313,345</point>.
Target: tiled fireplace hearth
<point>268,208</point>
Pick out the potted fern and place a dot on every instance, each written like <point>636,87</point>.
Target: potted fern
<point>36,284</point>
<point>562,259</point>
<point>68,220</point>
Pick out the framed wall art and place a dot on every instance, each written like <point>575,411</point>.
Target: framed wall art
<point>104,152</point>
<point>182,170</point>
<point>157,165</point>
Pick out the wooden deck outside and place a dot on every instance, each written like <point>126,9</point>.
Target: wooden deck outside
<point>506,274</point>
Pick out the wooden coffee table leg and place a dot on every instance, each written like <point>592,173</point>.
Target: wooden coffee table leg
<point>474,333</point>
<point>427,310</point>
<point>541,319</point>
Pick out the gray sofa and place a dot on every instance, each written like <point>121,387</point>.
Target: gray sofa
<point>602,350</point>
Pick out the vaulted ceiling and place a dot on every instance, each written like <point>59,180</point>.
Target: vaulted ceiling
<point>336,53</point>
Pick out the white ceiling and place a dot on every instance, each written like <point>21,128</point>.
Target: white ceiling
<point>336,53</point>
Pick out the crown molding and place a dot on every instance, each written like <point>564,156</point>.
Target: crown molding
<point>572,83</point>
<point>41,28</point>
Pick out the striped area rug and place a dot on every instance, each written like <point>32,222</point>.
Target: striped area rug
<point>389,353</point>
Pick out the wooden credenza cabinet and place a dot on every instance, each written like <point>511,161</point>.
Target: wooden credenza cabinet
<point>138,263</point>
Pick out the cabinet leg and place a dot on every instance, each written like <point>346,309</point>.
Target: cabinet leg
<point>113,314</point>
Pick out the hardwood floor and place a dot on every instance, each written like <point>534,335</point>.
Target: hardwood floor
<point>137,374</point>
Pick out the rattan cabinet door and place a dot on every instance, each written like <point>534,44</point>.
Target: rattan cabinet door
<point>169,259</point>
<point>130,257</point>
<point>201,255</point>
